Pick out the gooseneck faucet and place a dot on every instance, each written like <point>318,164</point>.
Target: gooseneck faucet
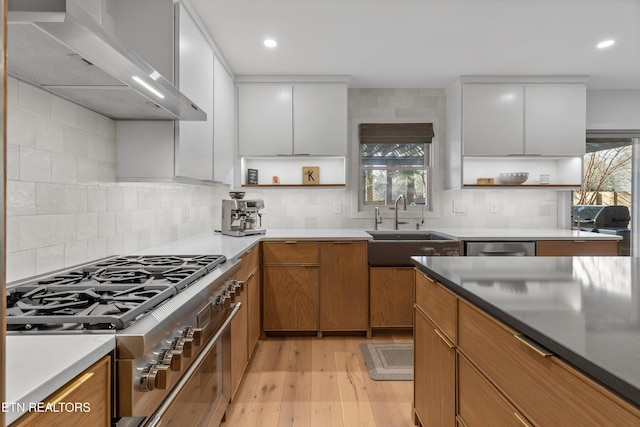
<point>376,218</point>
<point>404,200</point>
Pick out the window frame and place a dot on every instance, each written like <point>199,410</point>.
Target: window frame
<point>412,212</point>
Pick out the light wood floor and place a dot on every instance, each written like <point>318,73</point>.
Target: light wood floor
<point>324,382</point>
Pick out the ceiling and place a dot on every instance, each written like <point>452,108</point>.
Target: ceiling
<point>427,43</point>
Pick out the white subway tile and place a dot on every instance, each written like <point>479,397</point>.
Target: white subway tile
<point>75,253</point>
<point>49,259</point>
<point>13,161</point>
<point>102,149</point>
<point>21,265</point>
<point>35,165</point>
<point>75,199</point>
<point>63,111</point>
<point>21,198</point>
<point>35,231</point>
<point>130,199</point>
<point>97,199</point>
<point>87,225</point>
<point>50,198</point>
<point>115,244</point>
<point>123,221</point>
<point>34,100</point>
<point>97,248</point>
<point>49,136</point>
<point>65,229</point>
<point>21,128</point>
<point>106,127</point>
<point>106,173</point>
<point>106,223</point>
<point>12,93</point>
<point>115,199</point>
<point>86,119</point>
<point>87,171</point>
<point>76,142</point>
<point>63,169</point>
<point>13,234</point>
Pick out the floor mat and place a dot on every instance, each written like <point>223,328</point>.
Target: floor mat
<point>389,362</point>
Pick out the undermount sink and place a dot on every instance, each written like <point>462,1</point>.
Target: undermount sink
<point>394,248</point>
<point>408,235</point>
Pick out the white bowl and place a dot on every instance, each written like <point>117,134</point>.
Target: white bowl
<point>514,177</point>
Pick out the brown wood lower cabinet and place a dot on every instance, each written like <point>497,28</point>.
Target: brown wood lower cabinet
<point>344,292</point>
<point>434,375</point>
<point>91,388</point>
<point>391,297</point>
<point>577,247</point>
<point>290,298</point>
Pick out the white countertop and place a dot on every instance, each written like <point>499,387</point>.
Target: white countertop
<point>211,242</point>
<point>524,234</point>
<point>38,365</point>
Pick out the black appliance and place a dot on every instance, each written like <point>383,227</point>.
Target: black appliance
<point>612,220</point>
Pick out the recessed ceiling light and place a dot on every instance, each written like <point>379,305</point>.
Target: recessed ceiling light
<point>271,43</point>
<point>606,43</point>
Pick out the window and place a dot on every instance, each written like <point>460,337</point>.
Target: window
<point>395,159</point>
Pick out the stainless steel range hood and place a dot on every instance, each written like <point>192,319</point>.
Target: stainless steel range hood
<point>58,46</point>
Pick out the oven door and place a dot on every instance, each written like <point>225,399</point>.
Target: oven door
<point>201,396</point>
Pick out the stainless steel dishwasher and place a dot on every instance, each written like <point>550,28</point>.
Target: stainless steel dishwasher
<point>500,249</point>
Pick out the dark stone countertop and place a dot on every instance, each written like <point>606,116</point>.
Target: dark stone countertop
<point>586,310</point>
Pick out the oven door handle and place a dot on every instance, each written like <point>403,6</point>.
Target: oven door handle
<point>155,419</point>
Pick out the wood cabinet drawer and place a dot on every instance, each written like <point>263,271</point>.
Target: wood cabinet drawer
<point>479,403</point>
<point>577,247</point>
<point>290,252</point>
<point>250,261</point>
<point>545,389</point>
<point>438,303</point>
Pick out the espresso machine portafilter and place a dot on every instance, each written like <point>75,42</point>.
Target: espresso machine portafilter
<point>242,217</point>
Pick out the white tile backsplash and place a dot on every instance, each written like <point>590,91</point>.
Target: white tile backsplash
<point>65,207</point>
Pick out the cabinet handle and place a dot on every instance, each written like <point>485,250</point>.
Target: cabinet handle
<point>443,338</point>
<point>579,241</point>
<point>72,387</point>
<point>248,252</point>
<point>290,242</point>
<point>535,347</point>
<point>250,276</point>
<point>343,242</point>
<point>522,420</point>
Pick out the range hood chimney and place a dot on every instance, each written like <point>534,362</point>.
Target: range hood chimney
<point>59,47</point>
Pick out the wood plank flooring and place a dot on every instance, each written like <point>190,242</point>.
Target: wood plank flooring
<point>306,381</point>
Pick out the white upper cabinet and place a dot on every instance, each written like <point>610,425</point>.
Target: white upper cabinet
<point>523,119</point>
<point>555,118</point>
<point>492,119</point>
<point>320,119</point>
<point>265,119</point>
<point>276,119</point>
<point>194,142</point>
<point>224,119</point>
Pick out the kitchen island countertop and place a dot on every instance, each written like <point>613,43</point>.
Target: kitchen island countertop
<point>586,310</point>
<point>38,365</point>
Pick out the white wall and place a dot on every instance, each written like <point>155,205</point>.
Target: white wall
<point>613,109</point>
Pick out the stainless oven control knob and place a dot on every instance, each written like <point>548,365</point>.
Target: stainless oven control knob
<point>193,333</point>
<point>172,359</point>
<point>154,377</point>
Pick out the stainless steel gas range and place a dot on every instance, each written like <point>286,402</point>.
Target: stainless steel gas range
<point>171,317</point>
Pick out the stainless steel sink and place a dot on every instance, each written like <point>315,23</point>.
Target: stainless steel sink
<point>395,248</point>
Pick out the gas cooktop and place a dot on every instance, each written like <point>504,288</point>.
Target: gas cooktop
<point>110,294</point>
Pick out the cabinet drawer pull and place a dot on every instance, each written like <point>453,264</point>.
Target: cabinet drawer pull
<point>522,420</point>
<point>290,242</point>
<point>250,276</point>
<point>579,241</point>
<point>72,387</point>
<point>443,338</point>
<point>342,242</point>
<point>248,252</point>
<point>535,347</point>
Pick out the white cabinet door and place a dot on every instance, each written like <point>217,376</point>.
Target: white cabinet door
<point>555,117</point>
<point>194,143</point>
<point>320,119</point>
<point>223,124</point>
<point>265,119</point>
<point>492,119</point>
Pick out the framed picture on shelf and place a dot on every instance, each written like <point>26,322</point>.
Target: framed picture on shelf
<point>310,175</point>
<point>252,176</point>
